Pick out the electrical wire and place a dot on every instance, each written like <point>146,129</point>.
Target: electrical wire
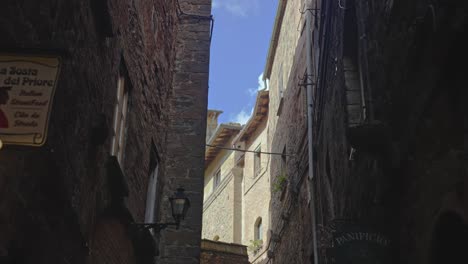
<point>252,151</point>
<point>313,11</point>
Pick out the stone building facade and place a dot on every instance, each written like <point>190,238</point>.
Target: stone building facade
<point>291,239</point>
<point>75,199</point>
<point>389,131</point>
<point>237,183</point>
<point>222,181</point>
<point>215,252</point>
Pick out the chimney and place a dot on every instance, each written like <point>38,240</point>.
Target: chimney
<point>212,122</point>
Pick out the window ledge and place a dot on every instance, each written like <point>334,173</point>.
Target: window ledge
<point>280,106</point>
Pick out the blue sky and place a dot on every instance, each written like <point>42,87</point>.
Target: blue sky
<point>239,48</point>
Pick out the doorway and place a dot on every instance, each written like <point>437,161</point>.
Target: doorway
<point>450,240</point>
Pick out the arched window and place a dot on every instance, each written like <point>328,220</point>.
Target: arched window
<point>258,231</point>
<point>216,238</point>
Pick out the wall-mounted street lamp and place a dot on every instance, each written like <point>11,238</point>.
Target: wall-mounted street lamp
<point>179,206</point>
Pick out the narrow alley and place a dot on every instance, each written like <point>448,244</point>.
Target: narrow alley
<point>233,131</point>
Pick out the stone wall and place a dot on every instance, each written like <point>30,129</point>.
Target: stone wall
<point>231,210</point>
<point>290,236</point>
<point>225,200</point>
<point>256,191</point>
<point>389,160</point>
<point>290,203</point>
<point>54,198</point>
<point>223,253</point>
<point>290,30</point>
<point>425,122</point>
<point>218,211</point>
<point>223,162</point>
<point>398,172</point>
<point>187,130</point>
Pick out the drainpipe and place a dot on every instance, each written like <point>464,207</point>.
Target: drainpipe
<point>310,128</point>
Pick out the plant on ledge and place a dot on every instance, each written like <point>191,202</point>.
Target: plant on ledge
<point>280,183</point>
<point>255,245</point>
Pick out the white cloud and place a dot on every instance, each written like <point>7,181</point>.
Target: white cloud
<point>243,116</point>
<point>261,86</point>
<point>241,8</point>
<point>261,83</point>
<point>236,8</point>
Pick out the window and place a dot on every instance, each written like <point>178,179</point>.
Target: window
<point>152,197</point>
<point>258,232</point>
<point>257,161</point>
<point>283,161</point>
<point>281,89</point>
<point>120,118</point>
<point>352,74</point>
<point>216,179</point>
<point>280,82</point>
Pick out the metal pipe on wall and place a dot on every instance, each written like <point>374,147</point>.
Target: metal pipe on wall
<point>310,128</point>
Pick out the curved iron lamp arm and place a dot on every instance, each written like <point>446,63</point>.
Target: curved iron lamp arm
<point>155,226</point>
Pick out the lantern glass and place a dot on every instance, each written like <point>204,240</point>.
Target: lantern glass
<point>178,207</point>
<point>180,204</point>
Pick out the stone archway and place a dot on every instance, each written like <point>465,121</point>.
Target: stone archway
<point>450,239</point>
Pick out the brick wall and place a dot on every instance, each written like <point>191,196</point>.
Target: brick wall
<point>53,197</point>
<point>214,252</point>
<point>404,173</point>
<point>111,244</point>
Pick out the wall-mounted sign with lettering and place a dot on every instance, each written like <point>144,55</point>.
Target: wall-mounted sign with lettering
<point>27,87</point>
<point>354,243</point>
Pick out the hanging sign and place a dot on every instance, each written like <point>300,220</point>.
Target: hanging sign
<point>27,86</point>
